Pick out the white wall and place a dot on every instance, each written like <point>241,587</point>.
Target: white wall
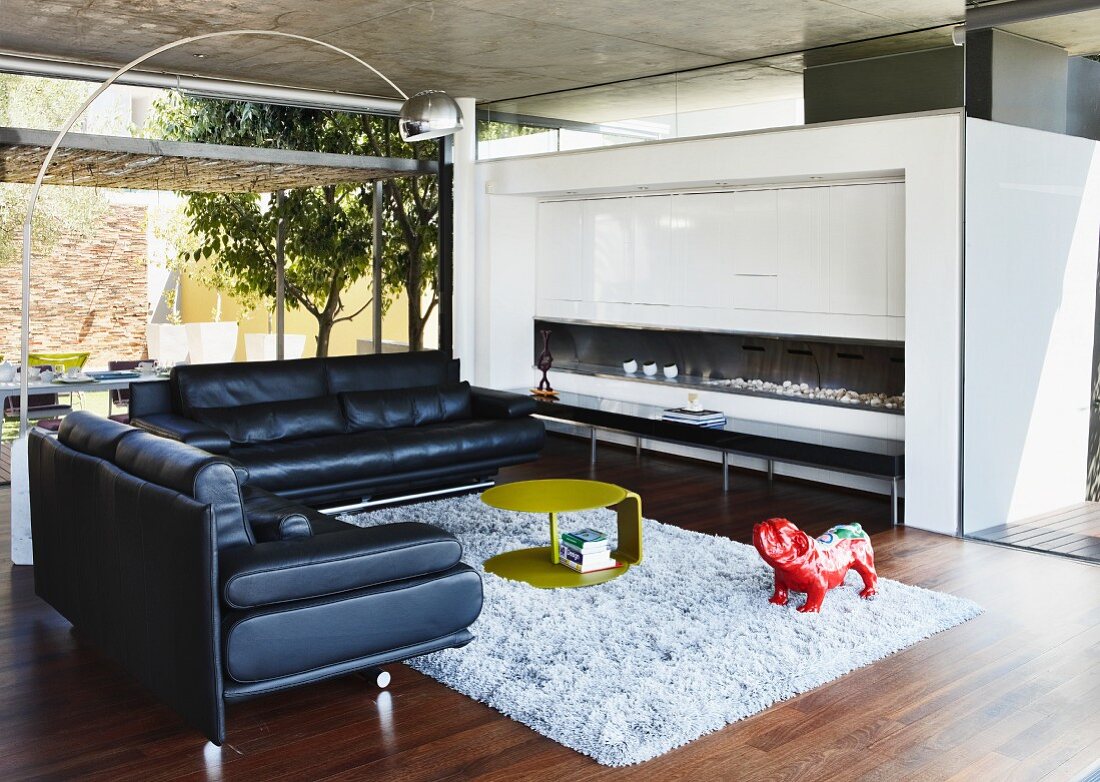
<point>925,150</point>
<point>1032,229</point>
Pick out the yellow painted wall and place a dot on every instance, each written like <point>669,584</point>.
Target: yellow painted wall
<point>197,304</point>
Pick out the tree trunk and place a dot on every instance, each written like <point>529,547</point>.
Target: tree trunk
<point>412,293</point>
<point>416,328</point>
<point>324,333</point>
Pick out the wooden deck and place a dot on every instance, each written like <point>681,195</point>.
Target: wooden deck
<point>1073,532</point>
<point>1010,695</point>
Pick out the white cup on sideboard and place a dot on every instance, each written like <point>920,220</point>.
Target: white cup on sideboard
<point>650,368</point>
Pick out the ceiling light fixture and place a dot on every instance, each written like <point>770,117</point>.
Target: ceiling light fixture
<point>426,115</point>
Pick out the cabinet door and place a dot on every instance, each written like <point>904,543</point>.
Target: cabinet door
<point>608,248</point>
<point>559,251</point>
<point>701,247</point>
<point>895,249</point>
<point>858,249</point>
<point>658,277</point>
<point>754,232</point>
<point>803,260</point>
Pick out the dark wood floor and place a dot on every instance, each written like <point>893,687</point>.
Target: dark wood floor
<point>1011,695</point>
<point>1073,532</point>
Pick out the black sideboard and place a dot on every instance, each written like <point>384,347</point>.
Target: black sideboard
<point>873,457</point>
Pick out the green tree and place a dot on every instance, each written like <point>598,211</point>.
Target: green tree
<point>29,102</point>
<point>328,229</point>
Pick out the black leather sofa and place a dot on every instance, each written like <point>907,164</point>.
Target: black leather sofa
<point>209,589</point>
<point>330,429</point>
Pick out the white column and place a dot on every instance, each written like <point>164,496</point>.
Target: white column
<point>20,504</point>
<point>465,222</point>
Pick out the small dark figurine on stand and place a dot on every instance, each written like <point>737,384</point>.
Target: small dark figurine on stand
<point>544,362</point>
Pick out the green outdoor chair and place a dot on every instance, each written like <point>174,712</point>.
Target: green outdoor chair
<point>65,361</point>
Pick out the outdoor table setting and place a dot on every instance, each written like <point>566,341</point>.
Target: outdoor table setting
<point>74,380</point>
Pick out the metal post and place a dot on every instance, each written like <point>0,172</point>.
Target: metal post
<point>376,268</point>
<point>725,471</point>
<point>446,245</point>
<point>280,277</point>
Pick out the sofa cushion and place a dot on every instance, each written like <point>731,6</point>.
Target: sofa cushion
<point>266,422</point>
<point>264,643</point>
<point>355,557</point>
<point>315,461</point>
<point>389,371</point>
<point>92,434</point>
<point>246,383</point>
<point>328,461</point>
<point>461,441</point>
<point>369,410</point>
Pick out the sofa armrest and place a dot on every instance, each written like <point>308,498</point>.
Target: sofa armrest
<point>176,427</point>
<point>490,403</point>
<point>149,397</point>
<point>335,562</point>
<point>276,518</point>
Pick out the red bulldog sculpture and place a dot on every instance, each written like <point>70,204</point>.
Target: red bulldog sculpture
<point>813,566</point>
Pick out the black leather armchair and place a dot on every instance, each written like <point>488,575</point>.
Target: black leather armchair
<point>209,589</point>
<point>351,427</point>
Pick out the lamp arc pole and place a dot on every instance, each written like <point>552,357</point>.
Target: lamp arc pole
<point>456,119</point>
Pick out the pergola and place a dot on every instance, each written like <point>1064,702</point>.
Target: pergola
<point>146,164</point>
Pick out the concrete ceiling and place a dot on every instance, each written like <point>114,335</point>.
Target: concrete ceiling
<point>488,49</point>
<point>1076,33</point>
<point>735,84</point>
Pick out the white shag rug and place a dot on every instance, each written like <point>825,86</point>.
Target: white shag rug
<point>677,647</point>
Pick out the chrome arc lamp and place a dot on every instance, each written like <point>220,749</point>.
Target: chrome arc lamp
<point>426,115</point>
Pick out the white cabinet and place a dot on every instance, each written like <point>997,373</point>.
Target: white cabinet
<point>859,245</point>
<point>658,273</point>
<point>754,232</point>
<point>607,254</point>
<point>895,249</point>
<point>701,248</point>
<point>822,254</point>
<point>559,252</point>
<point>803,250</point>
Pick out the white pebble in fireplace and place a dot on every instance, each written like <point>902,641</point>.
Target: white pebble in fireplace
<point>844,396</point>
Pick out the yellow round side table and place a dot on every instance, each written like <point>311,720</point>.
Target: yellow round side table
<point>539,566</point>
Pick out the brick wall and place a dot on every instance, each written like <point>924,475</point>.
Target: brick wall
<point>85,295</point>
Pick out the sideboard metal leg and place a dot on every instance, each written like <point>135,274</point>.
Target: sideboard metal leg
<point>592,447</point>
<point>725,471</point>
<point>894,500</point>
<point>637,447</point>
<point>771,470</point>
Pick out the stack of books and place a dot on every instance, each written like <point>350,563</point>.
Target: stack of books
<point>586,551</point>
<point>710,419</point>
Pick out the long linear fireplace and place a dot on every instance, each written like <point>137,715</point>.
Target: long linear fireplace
<point>816,370</point>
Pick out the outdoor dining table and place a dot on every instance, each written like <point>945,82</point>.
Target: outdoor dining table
<point>20,477</point>
<point>55,387</point>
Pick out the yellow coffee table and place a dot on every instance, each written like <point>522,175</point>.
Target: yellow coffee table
<point>539,566</point>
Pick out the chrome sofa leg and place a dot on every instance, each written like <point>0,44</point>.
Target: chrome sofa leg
<point>379,677</point>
